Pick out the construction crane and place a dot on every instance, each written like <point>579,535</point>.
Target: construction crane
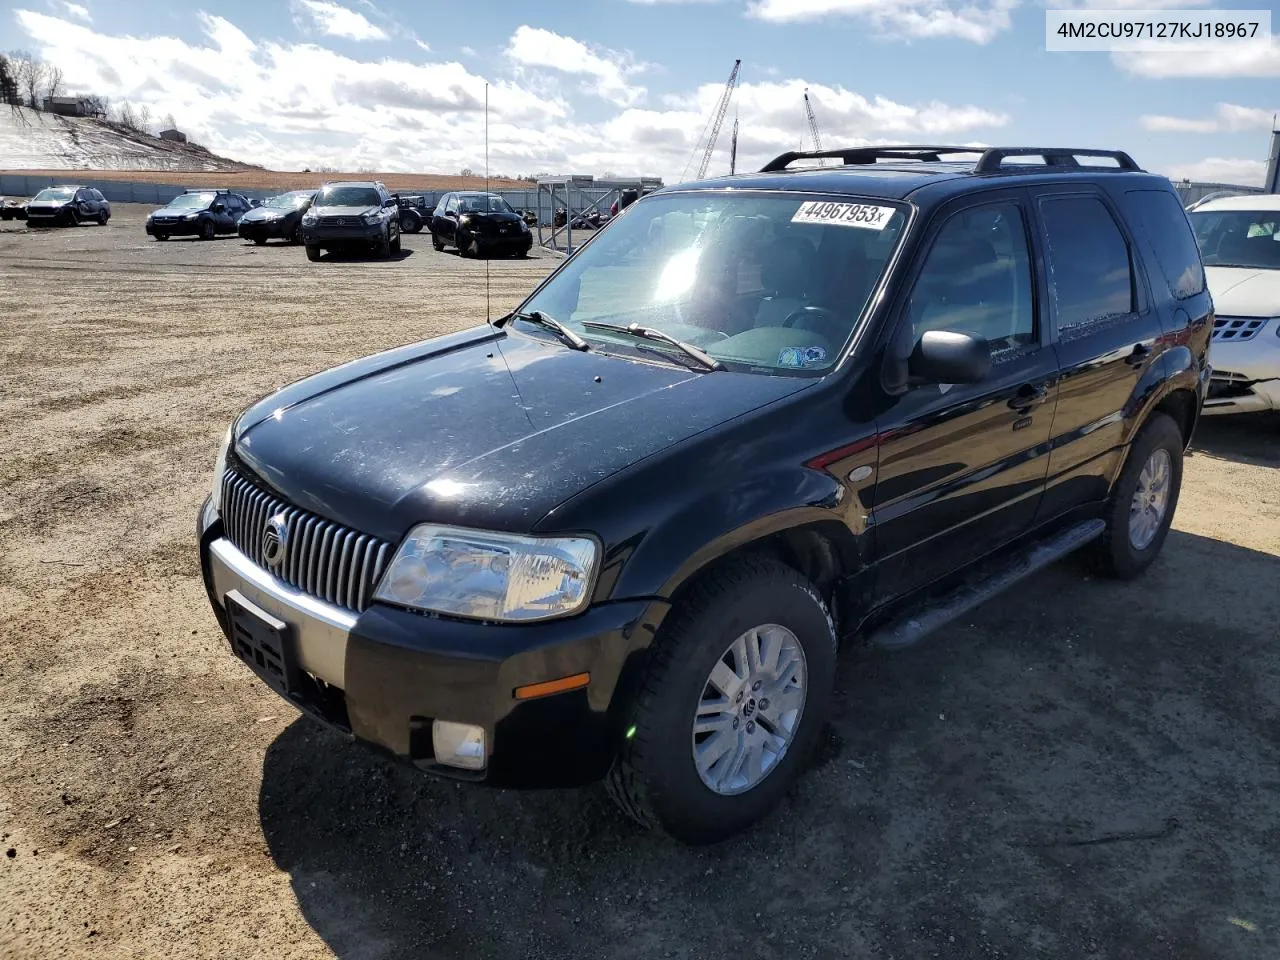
<point>813,123</point>
<point>715,122</point>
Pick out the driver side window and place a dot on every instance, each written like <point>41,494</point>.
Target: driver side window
<point>451,206</point>
<point>977,280</point>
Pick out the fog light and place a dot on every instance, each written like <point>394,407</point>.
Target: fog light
<point>458,744</point>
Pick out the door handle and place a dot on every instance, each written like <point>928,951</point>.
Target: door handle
<point>1028,395</point>
<point>1139,355</point>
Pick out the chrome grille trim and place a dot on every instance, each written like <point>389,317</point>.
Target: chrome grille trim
<point>1237,329</point>
<point>323,559</point>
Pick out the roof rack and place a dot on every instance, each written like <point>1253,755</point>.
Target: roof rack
<point>990,159</point>
<point>207,190</point>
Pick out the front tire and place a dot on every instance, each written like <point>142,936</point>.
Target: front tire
<point>1142,504</point>
<point>313,252</point>
<point>207,230</point>
<point>735,695</point>
<point>436,242</point>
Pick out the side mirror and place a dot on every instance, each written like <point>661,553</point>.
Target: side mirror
<point>944,356</point>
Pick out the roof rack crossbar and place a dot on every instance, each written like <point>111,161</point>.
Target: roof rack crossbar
<point>927,153</point>
<point>993,160</point>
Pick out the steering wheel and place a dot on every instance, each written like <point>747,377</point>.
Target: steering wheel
<point>822,313</point>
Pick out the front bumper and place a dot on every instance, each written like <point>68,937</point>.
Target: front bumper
<point>277,229</point>
<point>173,228</point>
<point>321,235</point>
<point>386,674</point>
<point>1246,374</point>
<point>492,241</point>
<point>47,216</point>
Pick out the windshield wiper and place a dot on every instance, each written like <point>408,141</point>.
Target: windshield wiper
<point>650,333</point>
<point>555,326</point>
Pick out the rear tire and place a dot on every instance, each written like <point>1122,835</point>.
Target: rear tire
<point>207,230</point>
<point>410,222</point>
<point>296,238</point>
<point>689,683</point>
<point>313,252</point>
<point>102,219</point>
<point>1143,501</point>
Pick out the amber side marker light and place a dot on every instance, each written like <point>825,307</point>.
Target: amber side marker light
<point>548,687</point>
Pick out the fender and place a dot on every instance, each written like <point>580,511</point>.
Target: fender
<point>703,530</point>
<point>1177,370</point>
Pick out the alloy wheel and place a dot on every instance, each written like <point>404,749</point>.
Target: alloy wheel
<point>1150,499</point>
<point>750,709</point>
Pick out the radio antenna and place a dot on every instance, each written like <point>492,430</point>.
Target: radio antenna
<point>488,313</point>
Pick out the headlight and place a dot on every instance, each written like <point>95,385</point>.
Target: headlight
<point>309,217</point>
<point>490,576</point>
<point>464,219</point>
<point>219,469</point>
<point>191,216</point>
<point>372,219</point>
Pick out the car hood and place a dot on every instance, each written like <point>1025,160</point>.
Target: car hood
<point>481,428</point>
<point>268,213</point>
<point>1244,291</point>
<point>177,211</point>
<point>47,203</point>
<point>493,217</point>
<point>342,211</point>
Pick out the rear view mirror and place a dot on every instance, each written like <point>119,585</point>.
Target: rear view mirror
<point>944,356</point>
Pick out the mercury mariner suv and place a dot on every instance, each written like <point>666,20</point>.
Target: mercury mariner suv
<point>619,533</point>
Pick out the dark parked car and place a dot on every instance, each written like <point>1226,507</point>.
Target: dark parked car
<point>479,223</point>
<point>67,206</point>
<point>352,214</point>
<point>620,533</point>
<point>13,208</point>
<point>278,218</point>
<point>198,213</point>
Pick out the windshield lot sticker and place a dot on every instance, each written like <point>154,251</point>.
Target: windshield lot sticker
<point>802,356</point>
<point>866,216</point>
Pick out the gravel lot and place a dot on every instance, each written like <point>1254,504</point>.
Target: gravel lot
<point>1079,769</point>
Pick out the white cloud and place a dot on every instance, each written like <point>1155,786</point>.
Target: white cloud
<point>535,47</point>
<point>424,47</point>
<point>289,105</point>
<point>1245,173</point>
<point>977,21</point>
<point>79,11</point>
<point>335,20</point>
<point>467,51</point>
<point>1261,59</point>
<point>1227,118</point>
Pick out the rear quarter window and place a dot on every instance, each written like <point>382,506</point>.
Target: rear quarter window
<point>1163,221</point>
<point>1090,268</point>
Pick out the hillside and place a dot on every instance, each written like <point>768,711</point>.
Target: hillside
<point>31,140</point>
<point>42,144</point>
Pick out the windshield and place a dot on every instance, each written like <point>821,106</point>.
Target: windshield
<point>775,283</point>
<point>287,201</point>
<point>1238,238</point>
<point>348,197</point>
<point>55,193</point>
<point>483,204</point>
<point>192,201</point>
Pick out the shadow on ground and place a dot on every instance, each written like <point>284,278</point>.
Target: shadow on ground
<point>360,256</point>
<point>1246,438</point>
<point>1079,769</point>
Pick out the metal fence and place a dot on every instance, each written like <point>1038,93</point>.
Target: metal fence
<point>121,191</point>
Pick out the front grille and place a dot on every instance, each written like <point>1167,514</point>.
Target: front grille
<point>325,559</point>
<point>1237,329</point>
<point>340,221</point>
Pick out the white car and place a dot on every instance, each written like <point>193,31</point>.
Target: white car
<point>1239,241</point>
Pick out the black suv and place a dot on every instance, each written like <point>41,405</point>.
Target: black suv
<point>198,213</point>
<point>479,223</point>
<point>620,532</point>
<point>355,213</point>
<point>67,206</point>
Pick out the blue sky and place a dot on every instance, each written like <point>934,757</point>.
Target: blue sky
<point>626,87</point>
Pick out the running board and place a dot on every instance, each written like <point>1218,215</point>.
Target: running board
<point>915,627</point>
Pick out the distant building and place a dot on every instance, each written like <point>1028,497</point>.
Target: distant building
<point>177,136</point>
<point>69,106</point>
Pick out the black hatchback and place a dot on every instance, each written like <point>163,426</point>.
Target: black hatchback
<point>479,223</point>
<point>277,218</point>
<point>620,532</point>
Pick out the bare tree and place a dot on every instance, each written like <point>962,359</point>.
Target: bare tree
<point>144,119</point>
<point>168,123</point>
<point>127,118</point>
<point>30,73</point>
<point>467,172</point>
<point>97,105</point>
<point>53,81</point>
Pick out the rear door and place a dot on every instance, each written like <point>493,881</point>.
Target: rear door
<point>962,466</point>
<point>1107,335</point>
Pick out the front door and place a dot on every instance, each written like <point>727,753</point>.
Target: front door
<point>1106,330</point>
<point>962,466</point>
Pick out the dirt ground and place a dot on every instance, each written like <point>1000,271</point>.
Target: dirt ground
<point>1079,769</point>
